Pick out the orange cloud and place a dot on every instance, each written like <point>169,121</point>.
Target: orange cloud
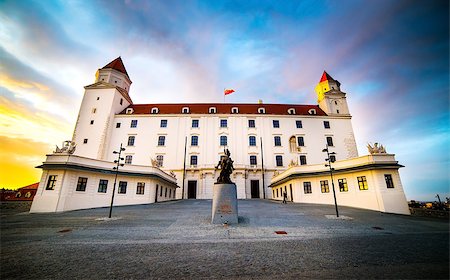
<point>18,159</point>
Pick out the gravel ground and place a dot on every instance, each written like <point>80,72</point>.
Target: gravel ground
<point>176,240</point>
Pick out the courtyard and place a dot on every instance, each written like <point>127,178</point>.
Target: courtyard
<point>176,240</point>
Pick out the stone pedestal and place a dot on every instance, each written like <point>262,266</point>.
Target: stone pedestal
<point>224,204</point>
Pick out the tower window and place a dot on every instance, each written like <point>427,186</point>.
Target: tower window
<point>161,140</point>
<point>98,98</point>
<point>276,123</point>
<point>279,160</point>
<point>133,123</point>
<point>223,140</point>
<point>335,102</point>
<point>302,160</point>
<point>131,140</point>
<point>51,182</point>
<point>252,140</point>
<point>118,125</point>
<point>94,110</point>
<point>277,140</point>
<point>337,111</point>
<point>326,124</point>
<point>330,141</point>
<point>92,121</point>
<point>253,160</point>
<point>251,123</point>
<point>299,124</point>
<point>194,160</point>
<point>121,101</point>
<point>389,181</point>
<point>85,141</point>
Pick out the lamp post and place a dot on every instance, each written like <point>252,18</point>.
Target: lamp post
<point>328,159</point>
<point>116,168</point>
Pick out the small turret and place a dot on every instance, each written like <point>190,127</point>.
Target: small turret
<point>330,97</point>
<point>114,73</point>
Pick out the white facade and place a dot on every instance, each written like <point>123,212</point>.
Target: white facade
<point>188,140</point>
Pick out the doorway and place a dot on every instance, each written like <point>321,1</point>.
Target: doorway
<point>254,188</point>
<point>192,190</point>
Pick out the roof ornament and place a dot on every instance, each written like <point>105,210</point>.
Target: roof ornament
<point>68,147</point>
<point>376,149</point>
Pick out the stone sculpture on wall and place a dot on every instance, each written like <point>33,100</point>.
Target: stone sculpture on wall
<point>68,147</point>
<point>376,149</point>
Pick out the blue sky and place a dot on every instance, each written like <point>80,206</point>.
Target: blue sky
<point>392,58</point>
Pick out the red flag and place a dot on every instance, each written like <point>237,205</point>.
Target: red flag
<point>228,91</point>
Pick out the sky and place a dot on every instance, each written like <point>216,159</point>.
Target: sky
<point>391,57</point>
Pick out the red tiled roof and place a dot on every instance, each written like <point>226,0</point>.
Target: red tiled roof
<point>117,64</point>
<point>30,187</point>
<point>325,77</point>
<point>225,108</point>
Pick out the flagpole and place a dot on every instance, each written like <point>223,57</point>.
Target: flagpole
<point>224,95</point>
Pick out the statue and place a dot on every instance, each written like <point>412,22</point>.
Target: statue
<point>375,149</point>
<point>226,168</point>
<point>293,163</point>
<point>154,162</point>
<point>67,147</point>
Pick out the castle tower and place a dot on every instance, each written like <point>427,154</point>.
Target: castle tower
<point>330,97</point>
<point>102,100</point>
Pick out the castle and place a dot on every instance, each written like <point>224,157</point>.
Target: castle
<point>170,152</point>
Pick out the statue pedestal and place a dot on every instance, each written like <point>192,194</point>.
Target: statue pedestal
<point>224,204</point>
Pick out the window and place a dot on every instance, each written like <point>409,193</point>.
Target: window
<point>223,140</point>
<point>160,191</point>
<point>291,111</point>
<point>94,110</point>
<point>261,110</point>
<point>122,187</point>
<point>324,186</point>
<point>276,123</point>
<point>102,186</point>
<point>277,140</point>
<point>163,123</point>
<point>194,160</point>
<point>133,123</point>
<point>161,140</point>
<point>234,110</point>
<point>279,160</point>
<point>251,123</point>
<point>185,110</point>
<point>129,111</point>
<point>131,140</point>
<point>312,111</point>
<point>170,193</point>
<point>85,141</point>
<point>98,98</point>
<point>332,158</point>
<point>194,123</point>
<point>212,110</point>
<point>302,160</point>
<point>362,183</point>
<point>326,124</point>
<point>160,160</point>
<point>330,141</point>
<point>253,160</point>
<point>194,140</point>
<point>165,193</point>
<point>343,185</point>
<point>51,182</point>
<point>128,159</point>
<point>389,182</point>
<point>300,141</point>
<point>118,125</point>
<point>223,123</point>
<point>92,121</point>
<point>337,111</point>
<point>140,188</point>
<point>154,110</point>
<point>307,187</point>
<point>252,140</point>
<point>81,185</point>
<point>299,124</point>
<point>121,101</point>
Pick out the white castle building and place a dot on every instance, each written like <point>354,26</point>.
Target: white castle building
<point>171,151</point>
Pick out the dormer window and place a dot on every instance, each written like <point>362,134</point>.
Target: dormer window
<point>129,111</point>
<point>312,111</point>
<point>185,110</point>
<point>261,110</point>
<point>212,110</point>
<point>234,110</point>
<point>291,111</point>
<point>154,110</point>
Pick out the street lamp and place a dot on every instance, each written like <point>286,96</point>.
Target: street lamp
<point>116,169</point>
<point>329,160</point>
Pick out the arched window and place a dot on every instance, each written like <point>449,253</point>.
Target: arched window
<point>261,110</point>
<point>291,111</point>
<point>154,110</point>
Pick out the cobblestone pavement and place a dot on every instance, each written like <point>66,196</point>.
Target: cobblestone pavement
<point>176,240</point>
